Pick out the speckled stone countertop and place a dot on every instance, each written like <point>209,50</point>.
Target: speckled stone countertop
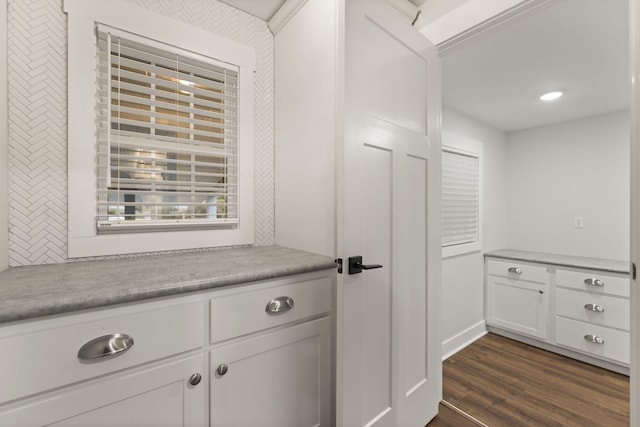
<point>30,292</point>
<point>609,265</point>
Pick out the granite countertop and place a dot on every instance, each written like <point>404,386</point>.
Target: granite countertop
<point>30,292</point>
<point>609,265</point>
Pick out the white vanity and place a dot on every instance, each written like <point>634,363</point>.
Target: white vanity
<point>575,306</point>
<point>213,338</point>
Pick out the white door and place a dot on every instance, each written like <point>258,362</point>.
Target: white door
<point>389,350</point>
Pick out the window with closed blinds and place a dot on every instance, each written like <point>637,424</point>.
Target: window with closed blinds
<point>167,137</point>
<point>460,198</point>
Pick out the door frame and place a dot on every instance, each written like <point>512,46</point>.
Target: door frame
<point>634,23</point>
<point>466,24</point>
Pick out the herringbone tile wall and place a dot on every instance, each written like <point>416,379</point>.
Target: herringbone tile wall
<point>37,66</point>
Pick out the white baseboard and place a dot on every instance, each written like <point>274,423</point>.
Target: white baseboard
<point>459,341</point>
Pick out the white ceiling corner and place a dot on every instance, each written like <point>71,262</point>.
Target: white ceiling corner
<point>263,9</point>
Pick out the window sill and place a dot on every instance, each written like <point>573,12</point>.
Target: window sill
<point>456,250</point>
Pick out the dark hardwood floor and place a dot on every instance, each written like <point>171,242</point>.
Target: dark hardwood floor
<point>502,382</point>
<point>450,416</point>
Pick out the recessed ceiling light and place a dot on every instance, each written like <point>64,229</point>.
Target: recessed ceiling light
<point>550,96</point>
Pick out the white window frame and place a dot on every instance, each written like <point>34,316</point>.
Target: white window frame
<point>83,15</point>
<point>457,144</point>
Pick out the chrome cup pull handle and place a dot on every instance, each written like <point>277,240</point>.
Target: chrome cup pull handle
<point>105,347</point>
<point>594,307</point>
<point>515,270</point>
<point>279,305</point>
<point>594,339</point>
<point>593,282</point>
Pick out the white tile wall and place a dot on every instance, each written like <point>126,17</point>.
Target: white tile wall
<point>37,109</point>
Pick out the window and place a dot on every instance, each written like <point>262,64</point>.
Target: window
<point>461,199</point>
<point>167,137</point>
<point>160,133</point>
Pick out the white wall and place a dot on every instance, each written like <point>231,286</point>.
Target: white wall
<point>305,80</point>
<point>463,276</point>
<point>577,168</point>
<point>4,176</point>
<point>37,119</point>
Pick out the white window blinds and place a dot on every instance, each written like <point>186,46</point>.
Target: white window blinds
<point>460,198</point>
<point>167,137</point>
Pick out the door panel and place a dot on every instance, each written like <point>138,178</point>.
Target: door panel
<point>398,95</point>
<point>413,224</point>
<point>389,350</point>
<point>377,201</point>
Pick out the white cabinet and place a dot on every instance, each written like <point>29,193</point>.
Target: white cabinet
<point>593,313</point>
<point>157,395</point>
<point>271,352</point>
<point>518,297</point>
<point>118,389</point>
<point>276,379</point>
<point>579,312</point>
<point>42,355</point>
<point>275,338</point>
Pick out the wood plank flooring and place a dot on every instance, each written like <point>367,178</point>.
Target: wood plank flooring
<point>502,382</point>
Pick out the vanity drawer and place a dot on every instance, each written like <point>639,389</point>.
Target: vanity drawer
<point>42,355</point>
<point>593,282</point>
<point>593,308</point>
<point>247,312</point>
<point>515,270</point>
<point>615,344</point>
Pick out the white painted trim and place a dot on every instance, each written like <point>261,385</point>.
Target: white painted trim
<point>4,141</point>
<point>461,340</point>
<point>284,14</point>
<point>83,240</point>
<point>457,250</point>
<point>634,27</point>
<point>407,9</point>
<point>474,18</point>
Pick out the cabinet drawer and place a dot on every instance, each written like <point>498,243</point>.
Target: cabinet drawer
<point>601,283</point>
<point>246,312</point>
<point>41,356</point>
<point>601,310</point>
<point>615,344</point>
<point>515,270</point>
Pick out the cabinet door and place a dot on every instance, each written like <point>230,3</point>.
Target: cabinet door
<point>156,396</point>
<point>278,379</point>
<point>518,306</point>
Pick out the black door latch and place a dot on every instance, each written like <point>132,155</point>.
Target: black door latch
<point>356,266</point>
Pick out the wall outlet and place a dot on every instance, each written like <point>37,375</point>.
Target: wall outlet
<point>578,222</point>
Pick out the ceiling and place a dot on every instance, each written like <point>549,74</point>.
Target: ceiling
<point>263,9</point>
<point>579,47</point>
